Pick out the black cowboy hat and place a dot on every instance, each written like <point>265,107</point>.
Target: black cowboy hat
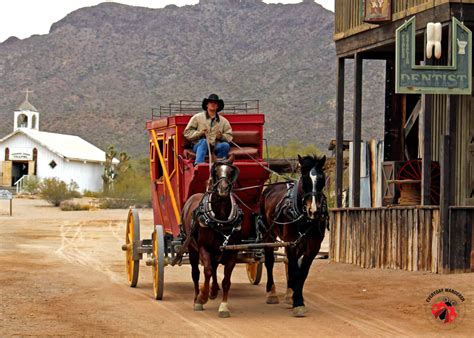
<point>213,97</point>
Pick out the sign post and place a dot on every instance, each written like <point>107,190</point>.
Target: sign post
<point>6,195</point>
<point>455,79</point>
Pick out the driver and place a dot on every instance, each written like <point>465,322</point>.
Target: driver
<point>209,124</point>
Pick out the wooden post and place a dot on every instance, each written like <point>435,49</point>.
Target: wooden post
<point>340,131</point>
<point>11,207</point>
<point>444,204</point>
<point>356,131</point>
<point>426,151</point>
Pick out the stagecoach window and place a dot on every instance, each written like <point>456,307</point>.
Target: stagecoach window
<point>52,164</point>
<point>159,168</point>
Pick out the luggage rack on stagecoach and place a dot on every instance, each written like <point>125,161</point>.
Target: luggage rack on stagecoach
<point>187,107</point>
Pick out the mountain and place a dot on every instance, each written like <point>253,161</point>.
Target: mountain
<point>101,69</point>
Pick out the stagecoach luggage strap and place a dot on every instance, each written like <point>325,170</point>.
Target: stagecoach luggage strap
<point>256,246</point>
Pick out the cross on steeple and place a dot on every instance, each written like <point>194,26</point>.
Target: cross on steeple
<point>27,91</point>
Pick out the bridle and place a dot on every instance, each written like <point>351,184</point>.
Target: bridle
<point>230,181</point>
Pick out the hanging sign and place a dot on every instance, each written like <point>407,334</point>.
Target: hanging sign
<point>21,154</point>
<point>415,79</point>
<point>377,11</point>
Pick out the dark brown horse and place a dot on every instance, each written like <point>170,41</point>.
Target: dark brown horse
<point>296,212</point>
<point>213,219</point>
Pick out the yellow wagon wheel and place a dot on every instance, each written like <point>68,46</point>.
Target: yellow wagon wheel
<point>158,266</point>
<point>254,272</point>
<point>132,258</point>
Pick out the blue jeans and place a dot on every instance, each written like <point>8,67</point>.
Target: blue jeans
<point>221,149</point>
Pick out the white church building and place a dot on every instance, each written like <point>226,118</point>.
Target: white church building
<point>29,151</point>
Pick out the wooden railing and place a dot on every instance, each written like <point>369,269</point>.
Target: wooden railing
<point>349,13</point>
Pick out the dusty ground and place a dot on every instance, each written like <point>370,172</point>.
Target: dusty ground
<point>62,273</point>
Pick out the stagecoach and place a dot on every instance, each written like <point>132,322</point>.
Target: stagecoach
<point>174,179</point>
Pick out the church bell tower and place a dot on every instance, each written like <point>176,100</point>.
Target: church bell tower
<point>26,116</point>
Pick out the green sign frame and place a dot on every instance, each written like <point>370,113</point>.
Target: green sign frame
<point>416,79</point>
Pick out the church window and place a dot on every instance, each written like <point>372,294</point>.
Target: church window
<point>22,121</point>
<point>52,164</point>
<point>33,122</point>
<point>7,154</point>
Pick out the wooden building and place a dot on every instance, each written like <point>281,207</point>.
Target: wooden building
<point>433,230</point>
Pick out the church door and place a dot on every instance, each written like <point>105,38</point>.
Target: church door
<point>6,178</point>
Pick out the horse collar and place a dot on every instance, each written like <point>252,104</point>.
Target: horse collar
<point>207,217</point>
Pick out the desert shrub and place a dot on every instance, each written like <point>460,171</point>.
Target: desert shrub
<point>292,149</point>
<point>92,194</point>
<point>55,191</point>
<point>116,203</point>
<point>73,206</point>
<point>132,187</point>
<point>31,185</point>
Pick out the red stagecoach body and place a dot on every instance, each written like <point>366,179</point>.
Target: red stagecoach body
<point>175,154</point>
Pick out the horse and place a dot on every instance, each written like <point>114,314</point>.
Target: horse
<point>297,213</point>
<point>213,219</point>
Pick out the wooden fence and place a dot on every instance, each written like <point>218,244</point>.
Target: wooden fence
<point>406,238</point>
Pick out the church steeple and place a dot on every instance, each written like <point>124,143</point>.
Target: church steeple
<point>26,116</point>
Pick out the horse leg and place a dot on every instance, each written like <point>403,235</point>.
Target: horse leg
<point>298,300</point>
<point>272,297</point>
<point>194,261</point>
<point>203,295</point>
<point>215,284</point>
<point>290,277</point>
<point>228,268</point>
<point>294,283</point>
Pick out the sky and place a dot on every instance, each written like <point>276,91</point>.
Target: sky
<point>23,18</point>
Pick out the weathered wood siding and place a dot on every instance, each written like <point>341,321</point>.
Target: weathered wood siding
<point>461,235</point>
<point>407,238</point>
<point>349,13</point>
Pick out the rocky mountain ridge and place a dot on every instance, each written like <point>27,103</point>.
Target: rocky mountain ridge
<point>101,69</point>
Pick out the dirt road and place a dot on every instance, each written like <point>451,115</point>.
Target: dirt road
<point>63,273</point>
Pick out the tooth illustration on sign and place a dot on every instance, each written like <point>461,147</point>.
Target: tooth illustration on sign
<point>433,39</point>
<point>462,47</point>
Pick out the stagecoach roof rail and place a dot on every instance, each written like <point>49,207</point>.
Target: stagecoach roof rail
<point>187,107</point>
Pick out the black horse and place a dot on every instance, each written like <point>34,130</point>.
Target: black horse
<point>296,213</point>
<point>211,220</point>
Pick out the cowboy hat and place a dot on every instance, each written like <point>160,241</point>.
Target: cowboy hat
<point>213,97</point>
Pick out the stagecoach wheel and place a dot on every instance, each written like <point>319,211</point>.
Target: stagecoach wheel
<point>132,234</point>
<point>254,272</point>
<point>158,240</point>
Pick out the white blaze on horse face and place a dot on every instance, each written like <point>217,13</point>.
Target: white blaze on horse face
<point>313,207</point>
<point>222,174</point>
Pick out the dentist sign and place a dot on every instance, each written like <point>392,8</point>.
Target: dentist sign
<point>455,79</point>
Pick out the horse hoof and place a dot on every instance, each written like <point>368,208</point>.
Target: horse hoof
<point>224,314</point>
<point>272,299</point>
<point>198,307</point>
<point>224,311</point>
<point>299,311</point>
